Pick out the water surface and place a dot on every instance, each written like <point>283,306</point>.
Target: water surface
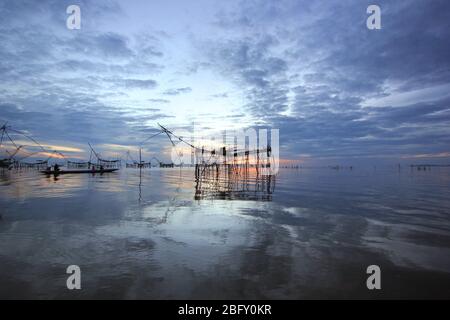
<point>310,233</point>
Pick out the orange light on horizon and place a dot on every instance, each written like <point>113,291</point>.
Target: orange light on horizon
<point>49,155</point>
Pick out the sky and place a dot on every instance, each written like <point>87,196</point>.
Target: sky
<point>338,92</point>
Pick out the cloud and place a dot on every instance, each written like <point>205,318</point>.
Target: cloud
<point>220,95</point>
<point>312,69</point>
<point>158,100</point>
<point>335,89</point>
<point>177,91</point>
<point>261,75</point>
<point>66,88</point>
<point>141,84</point>
<point>107,45</point>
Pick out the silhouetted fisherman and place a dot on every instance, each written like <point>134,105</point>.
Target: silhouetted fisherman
<point>56,167</point>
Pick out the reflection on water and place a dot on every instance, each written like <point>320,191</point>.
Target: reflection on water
<point>216,182</point>
<point>162,234</point>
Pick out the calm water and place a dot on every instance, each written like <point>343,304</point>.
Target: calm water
<point>310,233</point>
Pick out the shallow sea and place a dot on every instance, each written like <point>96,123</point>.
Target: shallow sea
<point>155,233</point>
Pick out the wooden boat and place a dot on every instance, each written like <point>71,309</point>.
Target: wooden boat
<point>78,171</point>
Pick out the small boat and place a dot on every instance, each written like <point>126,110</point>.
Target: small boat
<point>78,171</point>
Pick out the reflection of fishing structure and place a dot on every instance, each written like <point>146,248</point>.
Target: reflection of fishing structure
<point>230,173</point>
<point>214,183</point>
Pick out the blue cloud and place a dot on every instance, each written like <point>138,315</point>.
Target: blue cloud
<point>310,68</point>
<point>177,91</point>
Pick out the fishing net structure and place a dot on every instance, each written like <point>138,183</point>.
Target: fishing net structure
<point>16,146</point>
<point>79,165</point>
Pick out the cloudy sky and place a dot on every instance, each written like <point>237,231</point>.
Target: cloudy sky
<point>338,92</point>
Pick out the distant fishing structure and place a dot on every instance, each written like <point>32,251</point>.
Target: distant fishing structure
<point>14,158</point>
<point>141,164</point>
<point>95,162</point>
<point>425,167</point>
<point>108,164</point>
<point>136,164</point>
<point>16,153</point>
<point>338,167</point>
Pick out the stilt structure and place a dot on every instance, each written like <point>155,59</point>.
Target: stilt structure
<point>14,159</point>
<point>230,173</point>
<point>103,163</point>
